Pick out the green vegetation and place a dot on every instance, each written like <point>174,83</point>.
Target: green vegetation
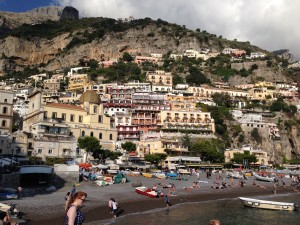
<point>155,158</point>
<point>90,144</point>
<point>244,157</point>
<point>209,150</point>
<point>256,136</point>
<point>129,146</point>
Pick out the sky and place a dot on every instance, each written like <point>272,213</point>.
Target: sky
<point>269,24</point>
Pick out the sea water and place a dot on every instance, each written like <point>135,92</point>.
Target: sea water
<point>228,211</point>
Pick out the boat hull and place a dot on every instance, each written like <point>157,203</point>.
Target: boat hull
<point>147,192</point>
<point>271,205</point>
<point>261,178</point>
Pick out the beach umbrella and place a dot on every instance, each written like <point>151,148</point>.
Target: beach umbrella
<point>85,165</point>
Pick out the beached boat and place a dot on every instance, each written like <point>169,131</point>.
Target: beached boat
<point>148,192</point>
<point>262,178</point>
<point>148,175</point>
<point>8,193</point>
<point>235,174</point>
<point>263,204</point>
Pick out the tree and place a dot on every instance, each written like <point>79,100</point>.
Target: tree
<point>209,151</point>
<point>196,77</point>
<point>222,99</point>
<point>242,157</point>
<point>90,144</point>
<point>127,57</point>
<point>256,136</point>
<point>186,141</point>
<point>129,146</point>
<point>155,158</point>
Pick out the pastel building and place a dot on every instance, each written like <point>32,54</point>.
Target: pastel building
<point>160,80</point>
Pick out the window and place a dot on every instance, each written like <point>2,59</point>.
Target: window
<point>99,119</point>
<point>80,119</point>
<point>3,123</point>
<point>100,136</point>
<point>92,134</point>
<point>77,151</point>
<point>82,133</point>
<point>45,115</point>
<point>40,151</point>
<point>14,140</point>
<point>50,151</point>
<point>95,109</point>
<point>54,115</point>
<point>5,100</point>
<point>110,137</point>
<point>72,116</point>
<point>63,116</point>
<point>5,110</point>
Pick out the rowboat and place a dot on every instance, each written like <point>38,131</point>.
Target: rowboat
<point>263,204</point>
<point>261,178</point>
<point>148,192</point>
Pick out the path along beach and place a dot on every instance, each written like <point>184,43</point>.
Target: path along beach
<point>48,208</point>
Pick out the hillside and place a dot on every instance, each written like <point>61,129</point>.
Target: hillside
<point>43,41</point>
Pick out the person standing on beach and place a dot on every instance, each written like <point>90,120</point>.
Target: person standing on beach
<point>110,205</point>
<point>167,201</point>
<point>114,207</point>
<point>73,214</point>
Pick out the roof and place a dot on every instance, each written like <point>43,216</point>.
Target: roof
<point>90,96</point>
<point>65,106</point>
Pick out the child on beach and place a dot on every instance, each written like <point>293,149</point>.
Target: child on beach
<point>167,201</point>
<point>114,207</point>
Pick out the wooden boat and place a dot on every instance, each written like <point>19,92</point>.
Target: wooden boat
<point>235,174</point>
<point>148,175</point>
<point>263,204</point>
<point>148,192</point>
<point>261,178</point>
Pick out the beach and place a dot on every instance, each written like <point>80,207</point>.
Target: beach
<point>48,208</point>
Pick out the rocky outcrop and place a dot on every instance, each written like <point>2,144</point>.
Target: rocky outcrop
<point>10,20</point>
<point>69,13</point>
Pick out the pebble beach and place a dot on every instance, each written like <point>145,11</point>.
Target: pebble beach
<point>48,208</point>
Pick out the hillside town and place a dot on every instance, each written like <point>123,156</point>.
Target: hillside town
<point>155,115</point>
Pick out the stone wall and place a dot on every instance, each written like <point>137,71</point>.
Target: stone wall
<point>10,180</point>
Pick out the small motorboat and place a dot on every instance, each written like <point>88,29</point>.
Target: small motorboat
<point>148,192</point>
<point>235,175</point>
<point>263,204</point>
<point>262,178</point>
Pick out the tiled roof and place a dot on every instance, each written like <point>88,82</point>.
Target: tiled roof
<point>65,106</point>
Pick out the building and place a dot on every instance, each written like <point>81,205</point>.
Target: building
<point>6,121</point>
<point>51,85</point>
<point>78,82</point>
<point>142,59</point>
<point>261,156</point>
<point>161,81</point>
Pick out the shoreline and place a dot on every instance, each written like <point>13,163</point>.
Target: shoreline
<point>48,208</point>
<point>99,214</point>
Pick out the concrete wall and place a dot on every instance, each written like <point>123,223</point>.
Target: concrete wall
<point>65,175</point>
<point>10,180</point>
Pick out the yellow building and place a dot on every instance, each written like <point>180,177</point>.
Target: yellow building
<point>264,84</point>
<point>160,80</point>
<point>149,147</point>
<point>205,91</point>
<point>262,94</point>
<point>87,119</point>
<point>192,121</point>
<point>180,102</point>
<point>78,82</point>
<point>261,156</point>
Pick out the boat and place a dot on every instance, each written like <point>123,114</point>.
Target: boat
<point>235,174</point>
<point>262,178</point>
<point>148,192</point>
<point>263,204</point>
<point>8,193</point>
<point>147,175</point>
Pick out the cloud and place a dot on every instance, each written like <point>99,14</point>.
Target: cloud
<point>270,25</point>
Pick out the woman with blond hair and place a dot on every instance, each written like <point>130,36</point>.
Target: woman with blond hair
<point>73,214</point>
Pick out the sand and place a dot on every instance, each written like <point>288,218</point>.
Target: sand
<point>48,208</point>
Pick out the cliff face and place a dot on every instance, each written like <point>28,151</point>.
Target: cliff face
<point>9,20</point>
<point>112,45</point>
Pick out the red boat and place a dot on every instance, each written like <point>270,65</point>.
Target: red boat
<point>148,192</point>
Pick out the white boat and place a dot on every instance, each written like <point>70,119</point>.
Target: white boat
<point>235,174</point>
<point>263,204</point>
<point>261,178</point>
